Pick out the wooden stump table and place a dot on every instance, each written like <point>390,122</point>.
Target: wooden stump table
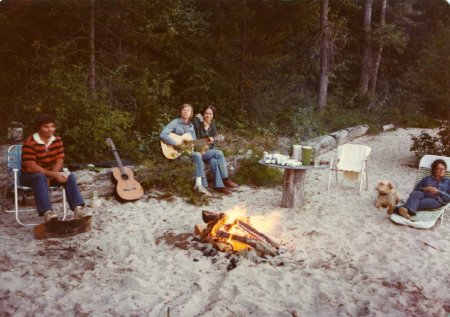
<point>293,184</point>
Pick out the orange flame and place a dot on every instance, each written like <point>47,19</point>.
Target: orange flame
<point>230,223</point>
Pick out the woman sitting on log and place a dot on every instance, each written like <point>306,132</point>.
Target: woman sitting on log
<point>205,128</point>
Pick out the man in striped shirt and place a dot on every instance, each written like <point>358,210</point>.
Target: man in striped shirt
<point>42,163</point>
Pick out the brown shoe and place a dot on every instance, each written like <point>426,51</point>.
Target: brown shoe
<point>223,190</point>
<point>229,183</point>
<point>403,212</point>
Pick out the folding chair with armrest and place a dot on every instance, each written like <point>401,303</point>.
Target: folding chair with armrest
<point>14,161</point>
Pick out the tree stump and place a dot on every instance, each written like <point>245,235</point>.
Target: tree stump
<point>293,186</point>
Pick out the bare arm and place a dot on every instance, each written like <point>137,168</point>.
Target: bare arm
<point>32,167</point>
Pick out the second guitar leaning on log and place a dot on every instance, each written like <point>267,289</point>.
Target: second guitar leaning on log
<point>127,187</point>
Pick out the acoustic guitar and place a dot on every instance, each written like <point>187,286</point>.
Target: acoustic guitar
<point>188,145</point>
<point>127,188</point>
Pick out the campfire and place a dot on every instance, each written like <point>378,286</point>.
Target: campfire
<point>234,232</point>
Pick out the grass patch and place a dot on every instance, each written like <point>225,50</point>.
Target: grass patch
<point>172,177</point>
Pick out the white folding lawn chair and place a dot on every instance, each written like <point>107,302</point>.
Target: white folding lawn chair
<point>351,158</point>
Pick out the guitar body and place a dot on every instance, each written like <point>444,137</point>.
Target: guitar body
<point>127,187</point>
<point>169,151</point>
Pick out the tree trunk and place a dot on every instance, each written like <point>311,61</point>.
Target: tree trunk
<point>377,58</point>
<point>366,58</point>
<point>324,56</point>
<point>92,87</point>
<point>242,65</point>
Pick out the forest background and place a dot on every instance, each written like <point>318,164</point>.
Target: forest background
<point>122,68</point>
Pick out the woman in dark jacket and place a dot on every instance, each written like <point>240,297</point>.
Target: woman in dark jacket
<point>205,128</point>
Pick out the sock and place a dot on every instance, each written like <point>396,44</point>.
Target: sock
<point>198,181</point>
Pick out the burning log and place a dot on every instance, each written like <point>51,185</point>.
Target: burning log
<point>234,234</point>
<point>259,246</point>
<point>199,228</point>
<point>254,231</point>
<point>209,216</point>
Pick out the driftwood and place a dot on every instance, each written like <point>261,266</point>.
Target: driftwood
<point>321,144</point>
<point>325,143</point>
<point>388,127</point>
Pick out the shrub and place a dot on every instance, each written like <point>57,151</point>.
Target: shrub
<point>435,145</point>
<point>252,173</point>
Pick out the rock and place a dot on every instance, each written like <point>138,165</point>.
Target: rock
<point>284,145</point>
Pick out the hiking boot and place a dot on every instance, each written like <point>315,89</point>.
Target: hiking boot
<point>403,212</point>
<point>223,190</point>
<point>50,215</point>
<point>202,190</point>
<point>229,183</point>
<point>80,212</point>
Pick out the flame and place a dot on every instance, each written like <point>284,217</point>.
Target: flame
<point>229,223</point>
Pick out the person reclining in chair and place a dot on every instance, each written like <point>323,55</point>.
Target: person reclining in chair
<point>431,192</point>
<point>42,162</point>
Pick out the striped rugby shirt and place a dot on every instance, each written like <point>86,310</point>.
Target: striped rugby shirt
<point>45,155</point>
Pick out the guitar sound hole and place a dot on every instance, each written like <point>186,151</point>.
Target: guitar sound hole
<point>124,177</point>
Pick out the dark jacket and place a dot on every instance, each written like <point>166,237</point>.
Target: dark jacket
<point>443,186</point>
<point>202,133</point>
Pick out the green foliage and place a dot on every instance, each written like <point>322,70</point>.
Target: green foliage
<point>171,177</point>
<point>252,173</point>
<point>256,61</point>
<point>84,121</point>
<point>434,145</point>
<point>306,124</point>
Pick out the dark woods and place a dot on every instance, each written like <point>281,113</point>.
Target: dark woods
<point>120,69</point>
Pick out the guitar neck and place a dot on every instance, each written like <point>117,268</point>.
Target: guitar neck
<point>119,162</point>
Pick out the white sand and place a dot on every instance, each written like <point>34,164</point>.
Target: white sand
<point>343,257</point>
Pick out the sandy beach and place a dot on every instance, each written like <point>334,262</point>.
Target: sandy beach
<point>340,256</point>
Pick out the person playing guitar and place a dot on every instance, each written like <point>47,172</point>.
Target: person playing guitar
<point>181,126</point>
<point>205,128</point>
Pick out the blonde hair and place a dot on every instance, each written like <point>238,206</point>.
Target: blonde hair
<point>186,105</point>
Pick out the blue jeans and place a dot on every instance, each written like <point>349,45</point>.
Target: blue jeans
<point>417,201</point>
<point>199,167</point>
<point>216,159</point>
<point>40,188</point>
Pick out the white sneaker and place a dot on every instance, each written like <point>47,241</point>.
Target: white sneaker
<point>80,212</point>
<point>50,215</point>
<point>202,190</point>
